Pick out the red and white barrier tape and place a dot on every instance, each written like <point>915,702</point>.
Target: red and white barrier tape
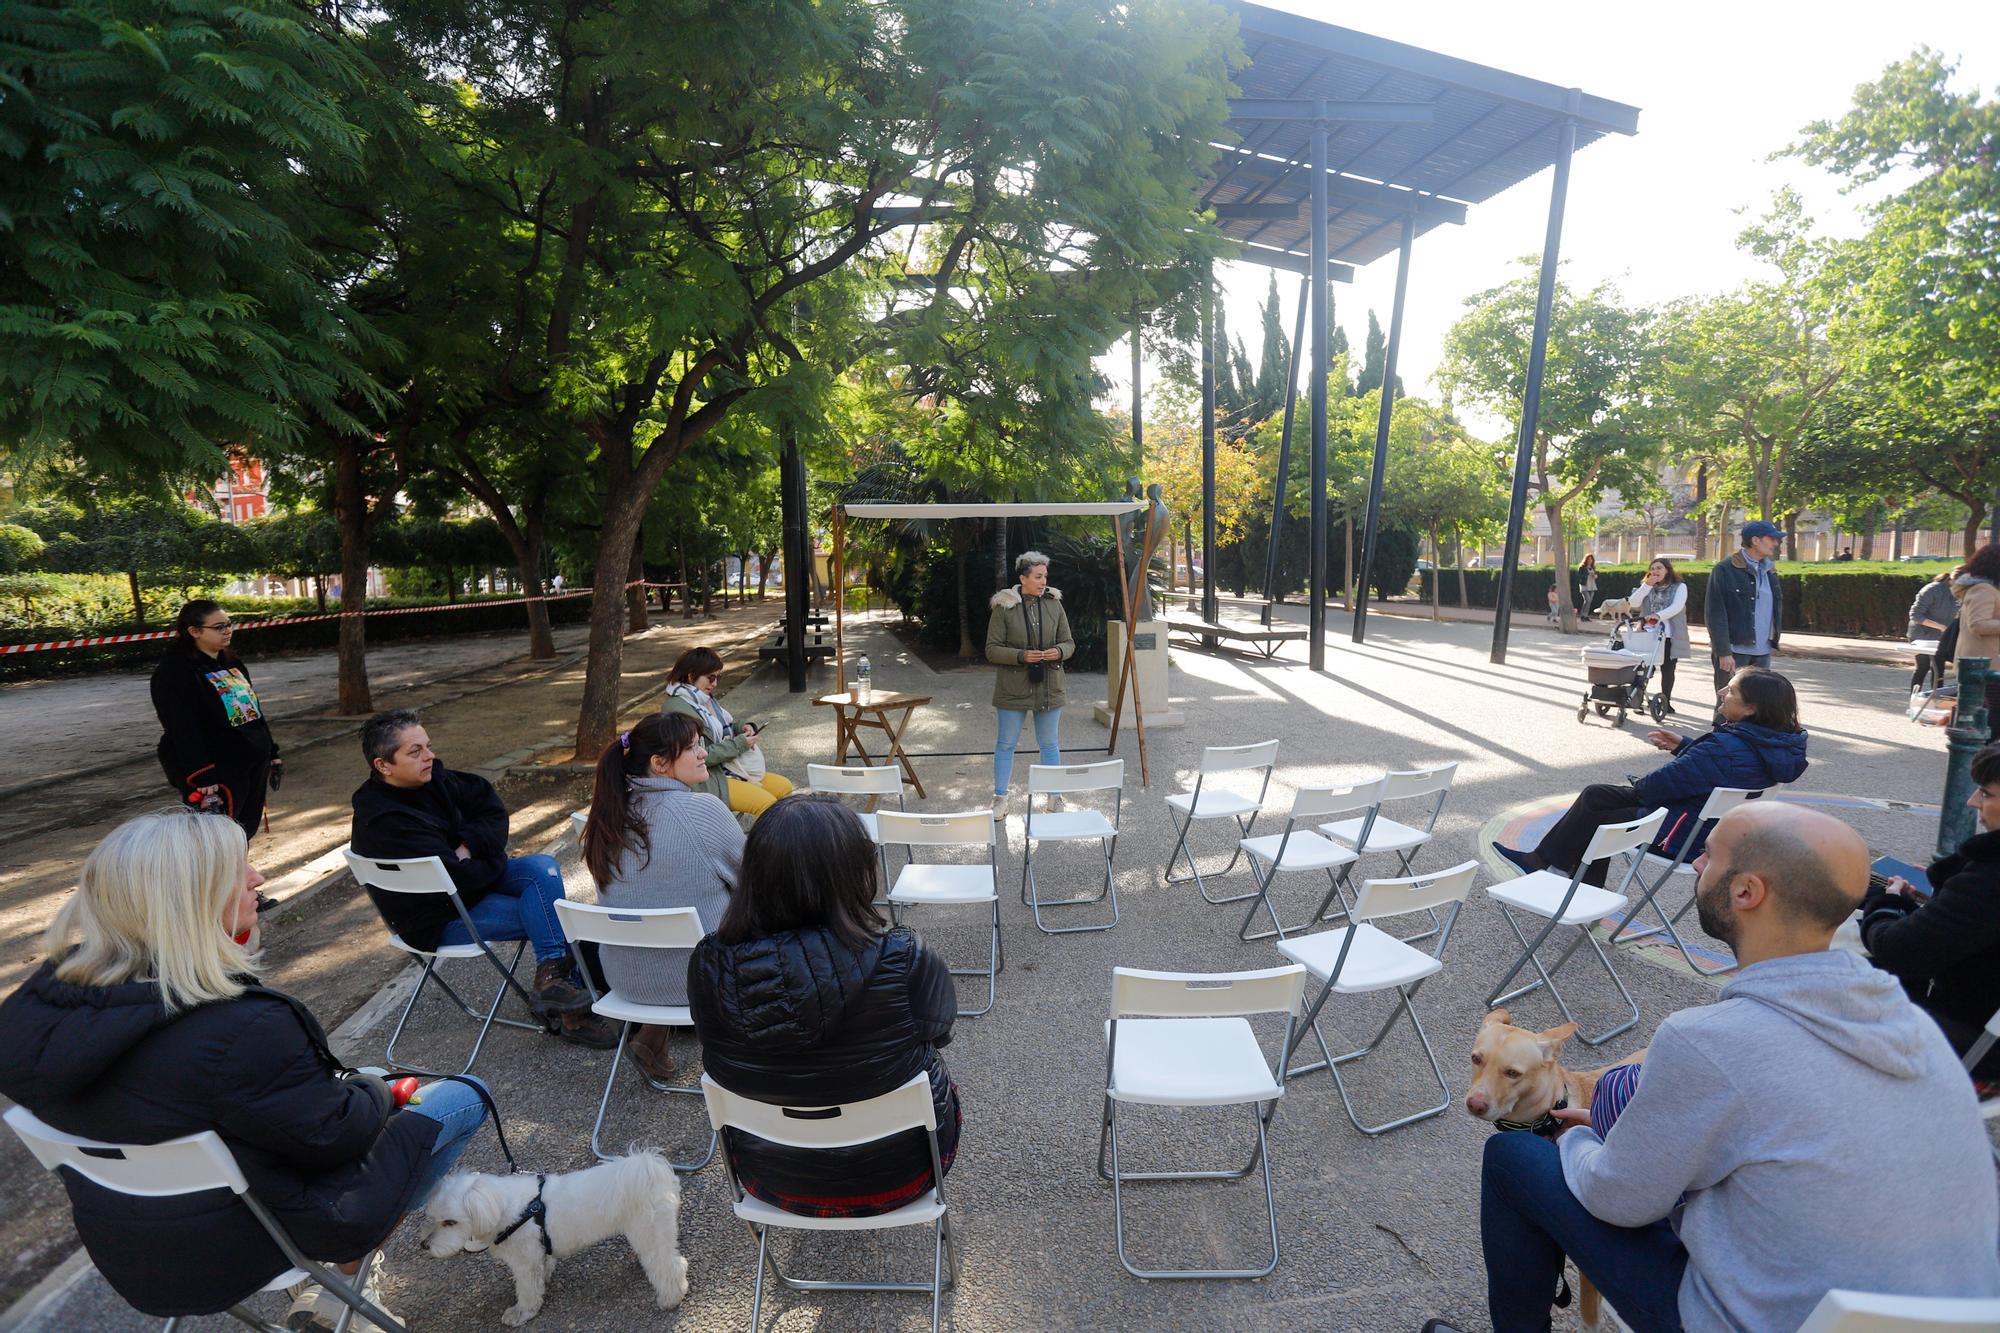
<point>98,641</point>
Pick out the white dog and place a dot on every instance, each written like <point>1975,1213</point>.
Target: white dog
<point>638,1195</point>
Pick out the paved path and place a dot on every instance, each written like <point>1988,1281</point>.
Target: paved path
<point>1379,1234</point>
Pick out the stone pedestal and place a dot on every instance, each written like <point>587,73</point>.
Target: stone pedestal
<point>1149,677</point>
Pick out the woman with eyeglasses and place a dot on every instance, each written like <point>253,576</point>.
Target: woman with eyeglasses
<point>216,747</point>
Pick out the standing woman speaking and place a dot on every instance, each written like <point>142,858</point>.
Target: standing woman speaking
<point>216,747</point>
<point>1028,639</point>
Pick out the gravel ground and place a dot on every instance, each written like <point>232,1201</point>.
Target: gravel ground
<point>1378,1233</point>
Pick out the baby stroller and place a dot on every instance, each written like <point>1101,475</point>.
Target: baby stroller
<point>1621,669</point>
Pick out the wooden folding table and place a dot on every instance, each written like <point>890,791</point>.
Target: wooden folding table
<point>856,710</point>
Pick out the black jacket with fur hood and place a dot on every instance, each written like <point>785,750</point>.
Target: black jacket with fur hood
<point>803,1020</point>
<point>326,1155</point>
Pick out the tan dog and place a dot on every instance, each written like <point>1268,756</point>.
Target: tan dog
<point>1517,1080</point>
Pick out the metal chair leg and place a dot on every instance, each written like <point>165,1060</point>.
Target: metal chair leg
<point>1031,892</point>
<point>1119,1176</point>
<point>604,1102</point>
<point>1182,849</point>
<point>1547,976</point>
<point>1263,895</point>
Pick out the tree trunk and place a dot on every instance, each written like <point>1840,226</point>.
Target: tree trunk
<point>1002,576</point>
<point>1722,531</point>
<point>635,574</point>
<point>1701,519</point>
<point>138,602</point>
<point>1559,565</point>
<point>597,718</point>
<point>1187,540</point>
<point>1870,521</point>
<point>350,510</point>
<point>1974,513</point>
<point>528,560</point>
<point>1437,572</point>
<point>319,592</point>
<point>764,559</point>
<point>1347,563</point>
<point>1458,559</point>
<point>1792,535</point>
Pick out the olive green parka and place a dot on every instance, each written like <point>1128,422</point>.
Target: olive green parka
<point>1019,623</point>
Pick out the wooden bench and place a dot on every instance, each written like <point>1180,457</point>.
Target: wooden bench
<point>1192,601</point>
<point>1265,638</point>
<point>817,650</point>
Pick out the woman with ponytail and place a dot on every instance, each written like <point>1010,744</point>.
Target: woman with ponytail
<point>655,838</point>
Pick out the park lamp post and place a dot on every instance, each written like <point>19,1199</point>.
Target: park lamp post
<point>1965,737</point>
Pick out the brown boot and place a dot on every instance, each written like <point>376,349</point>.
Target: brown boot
<point>556,990</point>
<point>592,1030</point>
<point>648,1049</point>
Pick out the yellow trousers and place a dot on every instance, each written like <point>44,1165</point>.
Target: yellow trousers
<point>754,798</point>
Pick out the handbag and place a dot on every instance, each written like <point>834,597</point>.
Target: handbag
<point>749,766</point>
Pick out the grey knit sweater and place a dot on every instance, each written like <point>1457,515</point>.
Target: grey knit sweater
<point>697,850</point>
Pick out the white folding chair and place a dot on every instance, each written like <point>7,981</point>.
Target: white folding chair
<point>1183,1039</point>
<point>1720,802</point>
<point>426,874</point>
<point>1208,801</point>
<point>846,1126</point>
<point>1299,847</point>
<point>1360,958</point>
<point>871,780</point>
<point>632,928</point>
<point>1073,825</point>
<point>1865,1312</point>
<point>1576,904</point>
<point>193,1165</point>
<point>927,884</point>
<point>1388,835</point>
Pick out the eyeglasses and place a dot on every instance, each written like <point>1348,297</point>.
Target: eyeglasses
<point>220,626</point>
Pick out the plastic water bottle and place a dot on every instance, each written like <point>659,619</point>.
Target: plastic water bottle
<point>862,679</point>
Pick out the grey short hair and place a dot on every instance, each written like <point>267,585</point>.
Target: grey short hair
<point>1027,560</point>
<point>380,733</point>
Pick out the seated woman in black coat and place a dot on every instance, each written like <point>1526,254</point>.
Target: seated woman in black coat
<point>1946,951</point>
<point>804,996</point>
<point>147,1023</point>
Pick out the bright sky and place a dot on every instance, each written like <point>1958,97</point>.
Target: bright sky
<point>1719,86</point>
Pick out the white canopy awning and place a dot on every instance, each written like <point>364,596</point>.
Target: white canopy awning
<point>1107,508</point>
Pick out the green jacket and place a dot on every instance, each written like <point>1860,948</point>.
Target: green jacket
<point>1007,640</point>
<point>720,751</point>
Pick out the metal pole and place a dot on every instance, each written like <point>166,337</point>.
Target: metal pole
<point>1208,607</point>
<point>1531,396</point>
<point>1285,442</point>
<point>798,560</point>
<point>1316,276</point>
<point>839,598</point>
<point>1388,392</point>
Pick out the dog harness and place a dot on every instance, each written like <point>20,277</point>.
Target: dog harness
<point>1546,1126</point>
<point>536,1212</point>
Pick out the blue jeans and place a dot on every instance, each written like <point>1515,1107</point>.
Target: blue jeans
<point>1047,726</point>
<point>460,1112</point>
<point>1528,1220</point>
<point>518,908</point>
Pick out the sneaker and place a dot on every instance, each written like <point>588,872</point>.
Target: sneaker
<point>1527,862</point>
<point>314,1308</point>
<point>592,1030</point>
<point>999,805</point>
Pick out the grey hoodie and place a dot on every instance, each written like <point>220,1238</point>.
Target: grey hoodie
<point>1813,1130</point>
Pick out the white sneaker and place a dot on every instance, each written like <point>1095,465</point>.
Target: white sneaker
<point>999,805</point>
<point>314,1308</point>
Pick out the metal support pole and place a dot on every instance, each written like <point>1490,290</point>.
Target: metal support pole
<point>1316,276</point>
<point>1208,606</point>
<point>1285,443</point>
<point>1964,738</point>
<point>1531,395</point>
<point>798,559</point>
<point>1388,392</point>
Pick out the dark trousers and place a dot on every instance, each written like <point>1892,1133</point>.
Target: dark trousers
<point>1925,663</point>
<point>1667,680</point>
<point>1528,1220</point>
<point>1598,804</point>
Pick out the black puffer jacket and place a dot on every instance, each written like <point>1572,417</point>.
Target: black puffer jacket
<point>802,1019</point>
<point>432,820</point>
<point>325,1155</point>
<point>1946,951</point>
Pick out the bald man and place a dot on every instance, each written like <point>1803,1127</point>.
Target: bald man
<point>1812,1130</point>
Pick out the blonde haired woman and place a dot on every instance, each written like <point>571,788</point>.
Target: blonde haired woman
<point>146,1023</point>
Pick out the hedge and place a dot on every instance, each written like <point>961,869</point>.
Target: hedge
<point>475,616</point>
<point>1824,600</point>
